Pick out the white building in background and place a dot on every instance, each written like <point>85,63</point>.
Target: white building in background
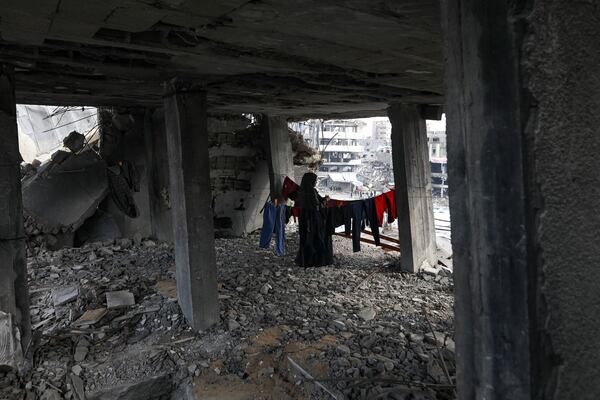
<point>349,145</point>
<point>341,152</point>
<point>436,138</point>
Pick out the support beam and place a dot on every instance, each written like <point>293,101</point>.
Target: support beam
<point>279,152</point>
<point>487,196</point>
<point>523,94</point>
<point>14,296</point>
<point>157,170</point>
<point>190,194</point>
<point>412,177</point>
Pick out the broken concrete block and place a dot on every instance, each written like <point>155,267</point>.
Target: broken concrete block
<point>78,387</point>
<point>367,313</point>
<point>430,270</point>
<point>65,295</point>
<point>61,196</point>
<point>11,354</point>
<point>80,353</point>
<point>74,141</point>
<point>118,299</point>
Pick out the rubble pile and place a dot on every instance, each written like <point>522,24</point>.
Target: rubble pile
<point>376,174</point>
<point>303,153</point>
<point>107,325</point>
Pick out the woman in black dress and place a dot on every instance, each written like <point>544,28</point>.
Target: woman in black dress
<point>315,247</point>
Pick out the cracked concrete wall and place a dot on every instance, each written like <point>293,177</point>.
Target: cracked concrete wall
<point>239,176</point>
<point>123,139</point>
<point>561,55</point>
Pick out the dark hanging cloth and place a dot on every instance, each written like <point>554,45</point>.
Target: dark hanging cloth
<point>131,175</point>
<point>356,209</point>
<point>121,193</point>
<point>372,218</point>
<point>316,247</point>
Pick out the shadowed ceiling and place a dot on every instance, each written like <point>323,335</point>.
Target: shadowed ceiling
<point>287,57</point>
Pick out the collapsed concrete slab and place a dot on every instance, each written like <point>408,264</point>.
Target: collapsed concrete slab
<point>65,191</point>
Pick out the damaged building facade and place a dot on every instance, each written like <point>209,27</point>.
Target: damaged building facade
<point>518,82</point>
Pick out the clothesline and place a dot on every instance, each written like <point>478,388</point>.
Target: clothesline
<point>290,187</point>
<point>354,215</point>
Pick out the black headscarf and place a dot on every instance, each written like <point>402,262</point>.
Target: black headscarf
<point>308,198</point>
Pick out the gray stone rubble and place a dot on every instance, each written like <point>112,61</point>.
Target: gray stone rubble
<point>358,328</point>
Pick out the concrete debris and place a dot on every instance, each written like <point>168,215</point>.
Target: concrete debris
<point>426,269</point>
<point>356,343</point>
<point>367,313</point>
<point>74,141</point>
<point>121,298</point>
<point>65,191</point>
<point>80,353</point>
<point>63,296</point>
<point>77,387</point>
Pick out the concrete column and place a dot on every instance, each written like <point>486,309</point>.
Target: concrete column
<point>190,196</point>
<point>412,177</point>
<point>157,170</point>
<point>523,94</point>
<point>280,157</point>
<point>487,197</point>
<point>14,296</point>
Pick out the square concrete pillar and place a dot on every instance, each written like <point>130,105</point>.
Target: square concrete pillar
<point>522,97</point>
<point>280,157</point>
<point>157,172</point>
<point>487,203</point>
<point>14,296</point>
<point>412,177</point>
<point>191,198</point>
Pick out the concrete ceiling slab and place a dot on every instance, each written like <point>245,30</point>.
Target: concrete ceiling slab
<point>289,57</point>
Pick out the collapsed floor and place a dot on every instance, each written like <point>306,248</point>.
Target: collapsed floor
<point>358,329</point>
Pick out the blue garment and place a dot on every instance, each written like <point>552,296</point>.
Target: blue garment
<point>280,230</point>
<point>268,225</point>
<point>273,222</point>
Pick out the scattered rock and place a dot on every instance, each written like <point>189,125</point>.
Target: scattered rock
<point>265,288</point>
<point>65,295</point>
<point>367,313</point>
<point>118,299</point>
<point>80,353</point>
<point>76,369</point>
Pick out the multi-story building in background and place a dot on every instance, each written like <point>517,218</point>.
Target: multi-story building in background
<point>357,154</point>
<point>436,138</point>
<point>342,153</point>
<point>382,130</point>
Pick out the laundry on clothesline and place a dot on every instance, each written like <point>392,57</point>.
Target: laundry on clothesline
<point>353,214</point>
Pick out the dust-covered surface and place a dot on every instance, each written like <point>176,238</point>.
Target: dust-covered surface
<point>357,327</point>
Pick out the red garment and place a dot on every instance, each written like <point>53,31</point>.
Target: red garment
<point>296,212</point>
<point>380,207</point>
<point>289,189</point>
<point>391,205</point>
